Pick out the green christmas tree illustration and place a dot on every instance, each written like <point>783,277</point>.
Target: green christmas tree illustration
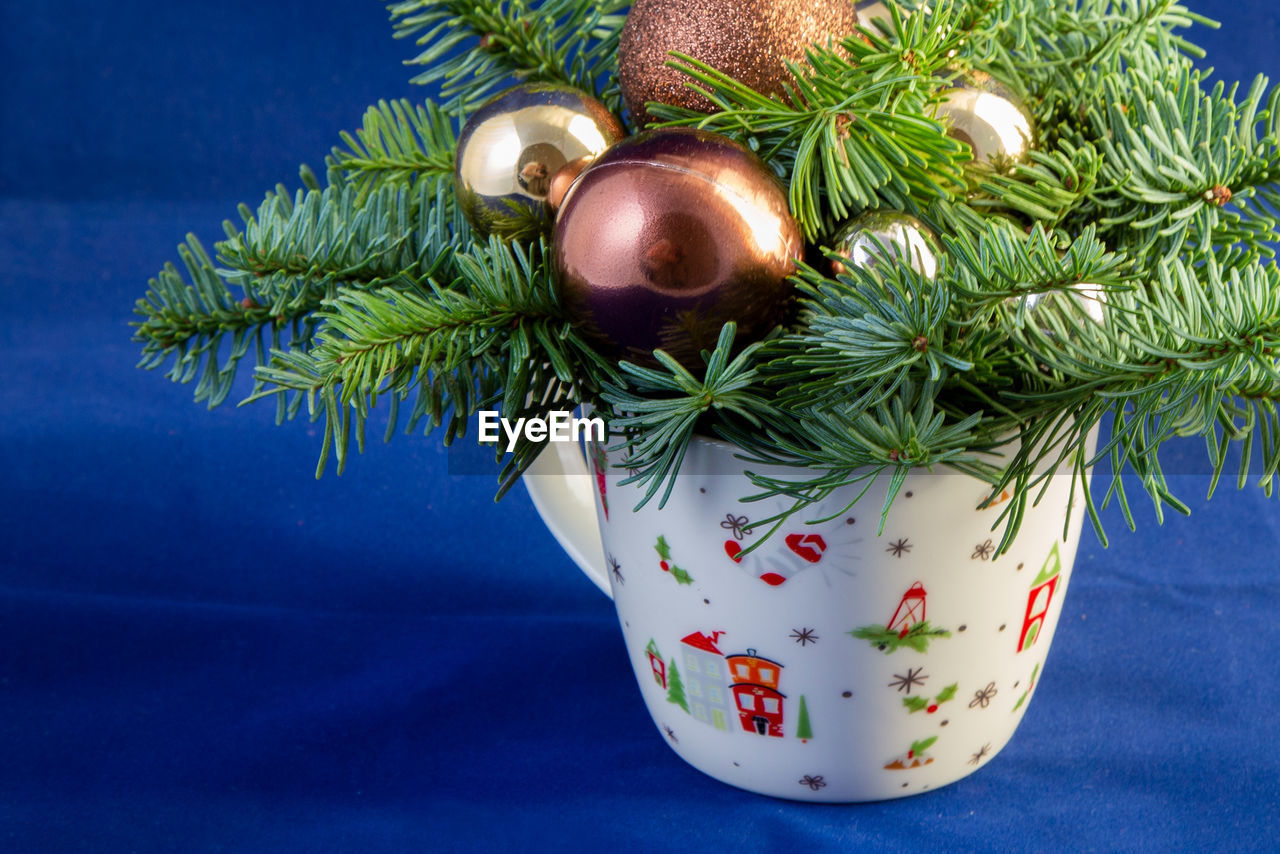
<point>804,731</point>
<point>675,689</point>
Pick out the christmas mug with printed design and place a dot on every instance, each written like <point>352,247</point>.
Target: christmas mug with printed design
<point>834,661</point>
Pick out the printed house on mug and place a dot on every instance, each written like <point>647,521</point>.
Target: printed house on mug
<point>656,665</point>
<point>704,679</point>
<point>755,692</point>
<point>1039,599</point>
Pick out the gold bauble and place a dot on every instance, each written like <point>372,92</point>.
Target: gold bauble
<point>513,146</point>
<point>750,40</point>
<point>986,114</point>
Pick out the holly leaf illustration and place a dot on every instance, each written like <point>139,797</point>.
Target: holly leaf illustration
<point>664,550</point>
<point>947,693</point>
<point>681,576</point>
<point>919,747</point>
<point>915,704</point>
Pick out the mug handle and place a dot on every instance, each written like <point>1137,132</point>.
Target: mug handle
<point>563,493</point>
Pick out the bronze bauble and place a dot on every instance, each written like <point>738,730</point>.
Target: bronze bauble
<point>986,114</point>
<point>563,179</point>
<point>750,40</point>
<point>875,238</point>
<point>511,147</point>
<point>670,234</point>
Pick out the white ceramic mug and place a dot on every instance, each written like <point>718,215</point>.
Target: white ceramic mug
<point>832,663</point>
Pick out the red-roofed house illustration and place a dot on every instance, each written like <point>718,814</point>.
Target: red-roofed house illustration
<point>704,679</point>
<point>656,665</point>
<point>1039,599</point>
<point>755,692</point>
<point>911,610</point>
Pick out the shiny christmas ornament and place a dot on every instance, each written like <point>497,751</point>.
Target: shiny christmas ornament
<point>985,113</point>
<point>1089,298</point>
<point>750,40</point>
<point>670,234</point>
<point>563,180</point>
<point>876,238</point>
<point>511,147</point>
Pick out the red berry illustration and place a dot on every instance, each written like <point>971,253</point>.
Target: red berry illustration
<point>932,708</point>
<point>666,567</point>
<point>733,550</point>
<point>772,579</point>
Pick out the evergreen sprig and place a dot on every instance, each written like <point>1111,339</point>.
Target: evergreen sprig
<point>496,334</point>
<point>1106,294</point>
<point>851,131</point>
<point>398,144</point>
<point>470,49</point>
<point>659,408</point>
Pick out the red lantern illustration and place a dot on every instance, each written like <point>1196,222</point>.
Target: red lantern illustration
<point>911,610</point>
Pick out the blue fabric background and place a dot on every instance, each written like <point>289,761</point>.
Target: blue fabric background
<point>202,648</point>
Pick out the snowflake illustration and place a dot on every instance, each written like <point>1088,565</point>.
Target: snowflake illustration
<point>616,569</point>
<point>913,678</point>
<point>814,783</point>
<point>671,734</point>
<point>982,697</point>
<point>980,755</point>
<point>804,637</point>
<point>898,547</point>
<point>982,551</point>
<point>739,525</point>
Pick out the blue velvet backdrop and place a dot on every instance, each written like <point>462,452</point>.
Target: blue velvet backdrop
<point>202,648</point>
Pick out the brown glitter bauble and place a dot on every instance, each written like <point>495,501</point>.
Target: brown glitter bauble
<point>750,40</point>
<point>667,236</point>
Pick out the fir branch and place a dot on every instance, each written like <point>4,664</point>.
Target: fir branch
<point>188,318</point>
<point>659,408</point>
<point>1047,189</point>
<point>850,448</point>
<point>470,49</point>
<point>1177,155</point>
<point>1171,359</point>
<point>497,334</point>
<point>851,129</point>
<point>398,144</point>
<point>996,262</point>
<point>865,333</point>
<point>295,251</point>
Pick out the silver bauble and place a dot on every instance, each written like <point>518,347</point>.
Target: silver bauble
<point>1088,298</point>
<point>876,238</point>
<point>981,111</point>
<point>511,147</point>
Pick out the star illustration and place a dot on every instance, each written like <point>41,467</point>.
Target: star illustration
<point>914,677</point>
<point>980,755</point>
<point>982,551</point>
<point>671,734</point>
<point>898,547</point>
<point>804,637</point>
<point>616,569</point>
